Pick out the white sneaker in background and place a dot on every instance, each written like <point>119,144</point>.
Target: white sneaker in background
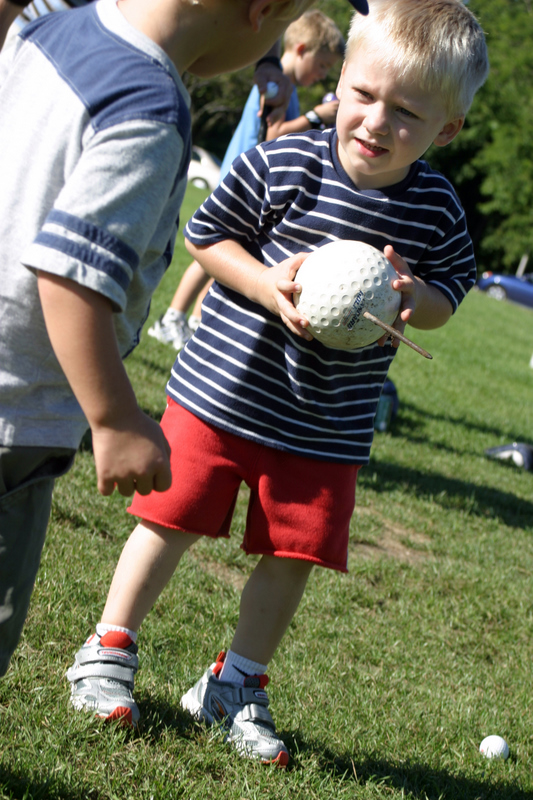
<point>172,329</point>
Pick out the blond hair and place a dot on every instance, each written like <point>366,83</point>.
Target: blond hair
<point>437,43</point>
<point>317,32</point>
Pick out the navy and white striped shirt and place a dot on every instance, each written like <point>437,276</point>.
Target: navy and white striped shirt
<point>243,370</point>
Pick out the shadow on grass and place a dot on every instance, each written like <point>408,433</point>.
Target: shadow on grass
<point>159,716</point>
<point>449,493</point>
<point>418,781</point>
<point>21,787</point>
<point>412,426</point>
<point>408,779</point>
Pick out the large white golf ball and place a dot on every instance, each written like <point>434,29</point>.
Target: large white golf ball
<point>494,747</point>
<point>340,281</point>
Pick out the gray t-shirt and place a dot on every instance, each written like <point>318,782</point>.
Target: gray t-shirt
<point>94,151</point>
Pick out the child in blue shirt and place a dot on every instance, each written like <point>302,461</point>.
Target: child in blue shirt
<point>252,397</point>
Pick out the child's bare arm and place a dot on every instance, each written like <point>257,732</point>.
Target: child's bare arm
<point>130,450</point>
<point>230,264</point>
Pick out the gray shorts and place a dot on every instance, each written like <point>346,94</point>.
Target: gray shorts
<point>27,476</point>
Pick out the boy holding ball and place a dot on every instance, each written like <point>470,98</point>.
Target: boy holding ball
<point>252,397</point>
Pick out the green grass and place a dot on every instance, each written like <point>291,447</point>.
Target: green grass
<point>388,678</point>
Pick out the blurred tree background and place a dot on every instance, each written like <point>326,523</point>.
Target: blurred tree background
<point>491,161</point>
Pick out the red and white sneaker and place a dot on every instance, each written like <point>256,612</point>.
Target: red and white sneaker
<point>102,677</point>
<point>241,710</point>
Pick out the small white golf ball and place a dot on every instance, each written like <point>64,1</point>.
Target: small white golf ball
<point>340,281</point>
<point>271,90</point>
<point>494,747</point>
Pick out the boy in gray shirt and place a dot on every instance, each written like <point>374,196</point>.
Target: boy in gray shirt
<point>94,151</point>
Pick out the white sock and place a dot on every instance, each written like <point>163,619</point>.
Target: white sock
<point>236,668</point>
<point>102,628</point>
<point>172,314</point>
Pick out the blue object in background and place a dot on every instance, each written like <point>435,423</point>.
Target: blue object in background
<point>388,405</point>
<point>519,289</point>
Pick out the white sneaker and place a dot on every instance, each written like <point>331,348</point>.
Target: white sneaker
<point>102,677</point>
<point>194,323</point>
<point>171,329</point>
<point>241,710</point>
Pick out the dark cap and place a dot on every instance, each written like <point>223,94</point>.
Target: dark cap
<point>360,5</point>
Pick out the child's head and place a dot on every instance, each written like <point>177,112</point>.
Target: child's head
<point>312,46</point>
<point>410,74</point>
<point>233,33</point>
<point>438,44</point>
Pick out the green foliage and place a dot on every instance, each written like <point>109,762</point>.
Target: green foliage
<point>490,162</point>
<point>505,160</point>
<point>216,108</point>
<point>388,678</point>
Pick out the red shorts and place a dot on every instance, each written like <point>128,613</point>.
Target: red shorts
<point>298,508</point>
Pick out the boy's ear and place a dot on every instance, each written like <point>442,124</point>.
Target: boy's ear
<point>338,90</point>
<point>449,132</point>
<point>258,10</point>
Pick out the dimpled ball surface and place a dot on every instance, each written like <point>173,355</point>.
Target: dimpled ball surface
<point>340,281</point>
<point>494,747</point>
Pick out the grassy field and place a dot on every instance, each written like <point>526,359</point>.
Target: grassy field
<point>389,677</point>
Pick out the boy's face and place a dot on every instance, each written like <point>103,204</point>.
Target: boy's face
<point>385,123</point>
<point>309,68</point>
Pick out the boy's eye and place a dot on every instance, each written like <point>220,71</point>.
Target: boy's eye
<point>364,95</point>
<point>406,113</point>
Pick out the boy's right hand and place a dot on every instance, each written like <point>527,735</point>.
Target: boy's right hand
<point>272,287</point>
<point>132,457</point>
<point>275,287</point>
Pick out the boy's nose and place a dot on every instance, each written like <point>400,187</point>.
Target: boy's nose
<point>376,120</point>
